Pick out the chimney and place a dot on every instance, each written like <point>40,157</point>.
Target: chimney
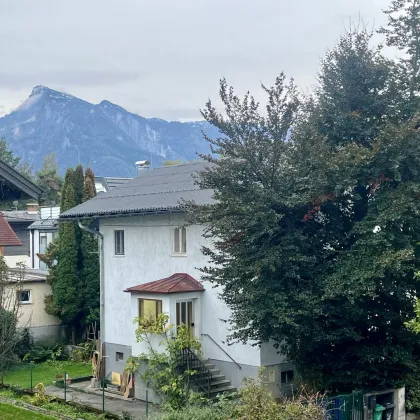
<point>32,208</point>
<point>142,166</point>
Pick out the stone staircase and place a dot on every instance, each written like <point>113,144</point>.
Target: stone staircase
<point>219,383</point>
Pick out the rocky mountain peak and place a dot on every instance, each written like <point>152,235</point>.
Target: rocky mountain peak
<point>106,137</point>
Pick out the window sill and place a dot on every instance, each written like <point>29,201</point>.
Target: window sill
<point>26,303</point>
<point>119,256</point>
<point>179,255</point>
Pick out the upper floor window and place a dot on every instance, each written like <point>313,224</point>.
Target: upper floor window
<point>119,242</point>
<point>180,240</point>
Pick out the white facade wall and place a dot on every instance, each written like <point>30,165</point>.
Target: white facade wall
<point>33,259</point>
<point>33,313</point>
<point>148,257</point>
<point>34,249</point>
<point>13,260</point>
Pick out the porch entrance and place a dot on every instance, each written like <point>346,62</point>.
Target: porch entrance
<point>185,315</point>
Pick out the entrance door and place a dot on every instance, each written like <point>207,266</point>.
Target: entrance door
<point>185,314</point>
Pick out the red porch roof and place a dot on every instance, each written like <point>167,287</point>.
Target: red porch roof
<point>177,283</point>
<point>7,235</point>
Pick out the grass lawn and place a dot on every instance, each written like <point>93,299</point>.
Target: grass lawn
<point>45,373</point>
<point>10,412</point>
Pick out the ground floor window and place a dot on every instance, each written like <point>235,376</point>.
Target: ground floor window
<point>149,309</point>
<point>287,377</point>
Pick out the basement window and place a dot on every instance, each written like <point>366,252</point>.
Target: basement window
<point>180,241</point>
<point>287,377</point>
<point>24,296</point>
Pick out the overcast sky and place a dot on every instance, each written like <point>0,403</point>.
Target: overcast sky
<point>163,58</point>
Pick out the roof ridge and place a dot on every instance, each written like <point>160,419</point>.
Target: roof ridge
<point>102,197</point>
<point>175,283</point>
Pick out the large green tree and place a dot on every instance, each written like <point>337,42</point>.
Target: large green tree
<point>77,305</point>
<point>90,255</point>
<point>403,32</point>
<point>354,91</point>
<point>67,286</point>
<point>315,237</point>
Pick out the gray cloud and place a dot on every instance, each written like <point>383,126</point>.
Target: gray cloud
<point>164,58</point>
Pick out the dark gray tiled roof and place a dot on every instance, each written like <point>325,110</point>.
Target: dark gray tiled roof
<point>19,216</point>
<point>109,183</point>
<point>160,189</point>
<point>46,224</point>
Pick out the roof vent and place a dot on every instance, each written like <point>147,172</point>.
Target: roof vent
<point>142,166</point>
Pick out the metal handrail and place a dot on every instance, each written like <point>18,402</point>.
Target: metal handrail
<point>223,350</point>
<point>202,376</point>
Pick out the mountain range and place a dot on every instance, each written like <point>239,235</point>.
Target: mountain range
<point>103,136</point>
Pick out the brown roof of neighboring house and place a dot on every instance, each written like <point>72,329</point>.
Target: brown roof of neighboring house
<point>177,283</point>
<point>7,235</point>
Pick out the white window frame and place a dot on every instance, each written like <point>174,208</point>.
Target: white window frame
<point>25,302</point>
<point>115,243</point>
<point>182,251</point>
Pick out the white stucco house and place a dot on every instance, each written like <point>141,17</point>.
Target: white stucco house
<point>150,264</point>
<point>41,233</point>
<point>31,292</point>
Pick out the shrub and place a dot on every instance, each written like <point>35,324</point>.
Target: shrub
<point>412,398</point>
<point>254,403</point>
<point>25,344</point>
<point>162,369</point>
<point>258,404</point>
<point>42,353</point>
<point>83,352</point>
<point>221,410</point>
<point>40,396</point>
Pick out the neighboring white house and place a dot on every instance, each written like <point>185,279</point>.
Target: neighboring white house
<point>41,233</point>
<point>150,264</point>
<point>33,288</point>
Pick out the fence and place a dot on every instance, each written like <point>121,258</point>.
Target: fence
<point>70,382</point>
<point>344,407</point>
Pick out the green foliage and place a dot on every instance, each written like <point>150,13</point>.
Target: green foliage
<point>90,259</point>
<point>11,412</point>
<point>7,155</point>
<point>403,32</point>
<point>25,344</point>
<point>253,403</point>
<point>219,410</point>
<point>66,288</point>
<point>40,397</point>
<point>162,368</point>
<point>73,260</point>
<point>315,231</point>
<point>353,102</point>
<point>49,179</point>
<point>8,331</point>
<point>83,352</point>
<point>78,182</point>
<point>43,352</point>
<point>10,335</point>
